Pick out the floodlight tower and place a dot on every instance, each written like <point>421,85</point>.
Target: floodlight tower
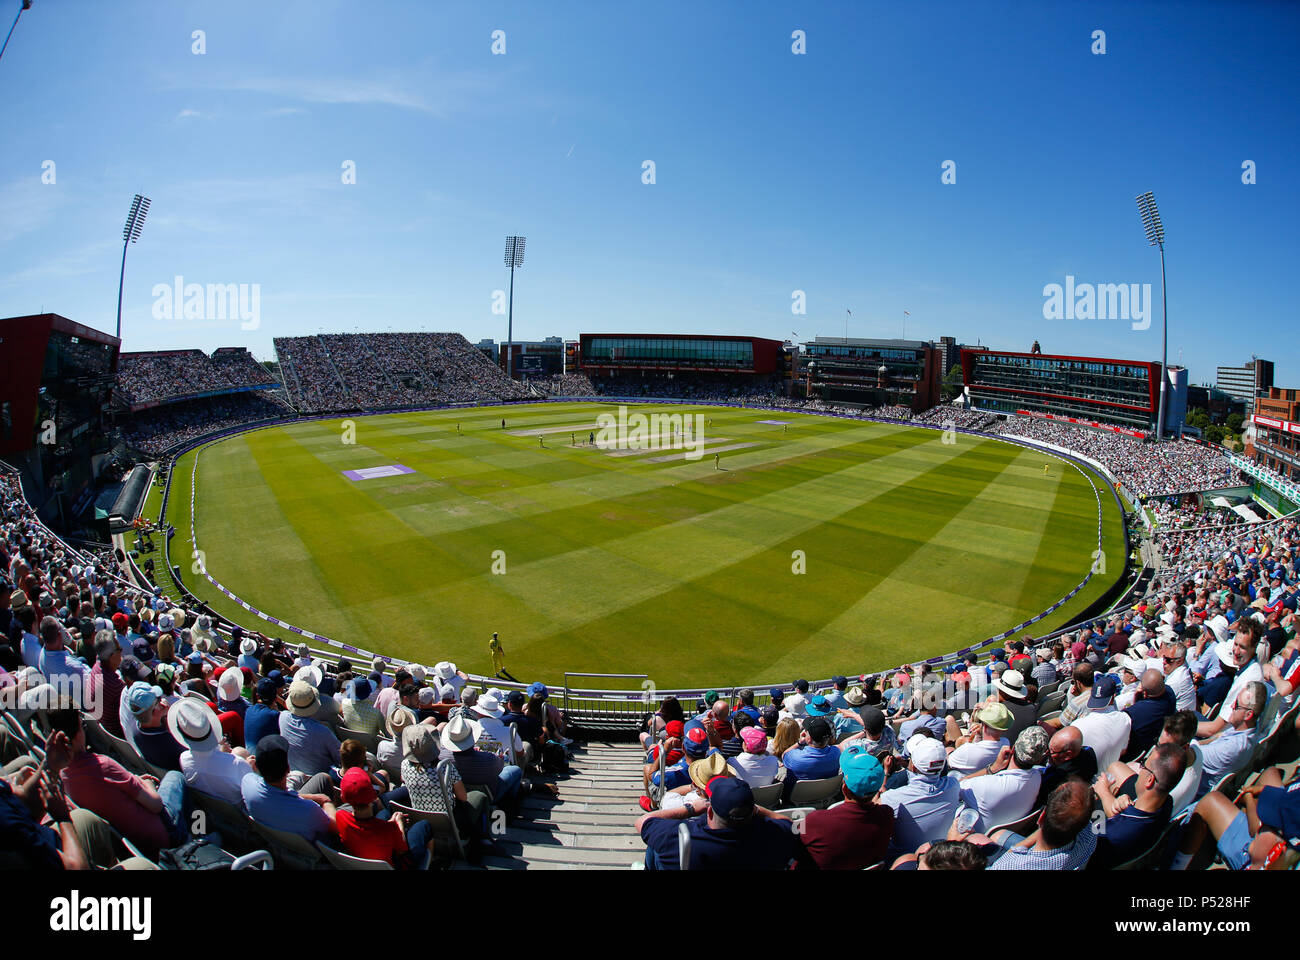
<point>514,258</point>
<point>1156,237</point>
<point>27,5</point>
<point>130,234</point>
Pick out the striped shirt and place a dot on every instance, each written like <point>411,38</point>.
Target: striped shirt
<point>1073,857</point>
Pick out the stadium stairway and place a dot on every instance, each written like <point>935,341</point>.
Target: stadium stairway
<point>588,826</point>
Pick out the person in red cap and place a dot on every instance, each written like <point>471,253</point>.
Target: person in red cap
<point>363,834</point>
<point>672,742</point>
<point>121,624</point>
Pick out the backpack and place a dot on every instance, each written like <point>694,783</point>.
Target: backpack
<point>202,853</point>
<point>555,759</point>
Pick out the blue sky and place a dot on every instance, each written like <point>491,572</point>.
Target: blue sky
<point>774,172</point>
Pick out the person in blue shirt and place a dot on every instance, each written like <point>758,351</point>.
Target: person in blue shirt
<point>745,704</point>
<point>733,834</point>
<point>268,800</point>
<point>313,748</point>
<point>815,758</point>
<point>262,719</point>
<point>836,696</point>
<point>696,746</point>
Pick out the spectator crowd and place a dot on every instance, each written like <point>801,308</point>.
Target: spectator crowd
<point>155,376</point>
<point>1146,469</point>
<point>377,371</point>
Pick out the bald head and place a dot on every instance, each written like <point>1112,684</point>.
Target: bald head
<point>1153,684</point>
<point>1065,745</point>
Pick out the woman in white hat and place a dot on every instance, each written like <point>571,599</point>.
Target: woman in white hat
<point>208,764</point>
<point>230,691</point>
<point>248,654</point>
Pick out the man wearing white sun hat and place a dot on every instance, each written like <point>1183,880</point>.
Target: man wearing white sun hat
<point>312,747</point>
<point>488,713</point>
<point>207,764</point>
<point>449,676</point>
<point>330,712</point>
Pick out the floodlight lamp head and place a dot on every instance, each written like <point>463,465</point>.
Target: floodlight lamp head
<point>515,251</point>
<point>1151,223</point>
<point>135,219</point>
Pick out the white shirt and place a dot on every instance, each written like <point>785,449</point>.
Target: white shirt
<point>216,773</point>
<point>1184,688</point>
<point>130,725</point>
<point>1106,731</point>
<point>1251,673</point>
<point>1185,792</point>
<point>672,801</point>
<point>1001,797</point>
<point>390,756</point>
<point>504,733</point>
<point>975,755</point>
<point>756,769</point>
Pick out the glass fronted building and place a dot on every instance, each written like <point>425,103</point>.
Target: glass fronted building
<point>604,353</point>
<point>56,383</point>
<point>873,372</point>
<point>1123,393</point>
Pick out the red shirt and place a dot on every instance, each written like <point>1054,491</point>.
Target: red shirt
<point>106,789</point>
<point>848,837</point>
<point>370,839</point>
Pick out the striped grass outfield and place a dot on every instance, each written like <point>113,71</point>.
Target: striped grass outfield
<point>912,547</point>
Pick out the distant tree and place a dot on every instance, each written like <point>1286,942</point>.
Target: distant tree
<point>953,382</point>
<point>1234,423</point>
<point>1197,417</point>
<point>1214,433</point>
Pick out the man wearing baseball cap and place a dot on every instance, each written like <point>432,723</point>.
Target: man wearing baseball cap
<point>695,746</point>
<point>1007,789</point>
<point>875,735</point>
<point>987,736</point>
<point>734,833</point>
<point>855,833</point>
<point>152,739</point>
<point>754,764</point>
<point>263,716</point>
<point>361,834</point>
<point>925,806</point>
<point>814,757</point>
<point>1105,729</point>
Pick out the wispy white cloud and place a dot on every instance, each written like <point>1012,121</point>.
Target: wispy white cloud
<point>73,263</point>
<point>422,89</point>
<point>187,112</point>
<point>27,204</point>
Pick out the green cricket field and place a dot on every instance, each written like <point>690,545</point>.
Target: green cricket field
<point>803,546</point>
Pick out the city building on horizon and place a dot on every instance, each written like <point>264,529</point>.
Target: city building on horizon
<point>1246,382</point>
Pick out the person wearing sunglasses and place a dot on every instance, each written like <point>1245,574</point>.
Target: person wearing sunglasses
<point>1137,808</point>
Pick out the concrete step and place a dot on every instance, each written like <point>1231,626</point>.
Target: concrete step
<point>576,856</point>
<point>607,838</point>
